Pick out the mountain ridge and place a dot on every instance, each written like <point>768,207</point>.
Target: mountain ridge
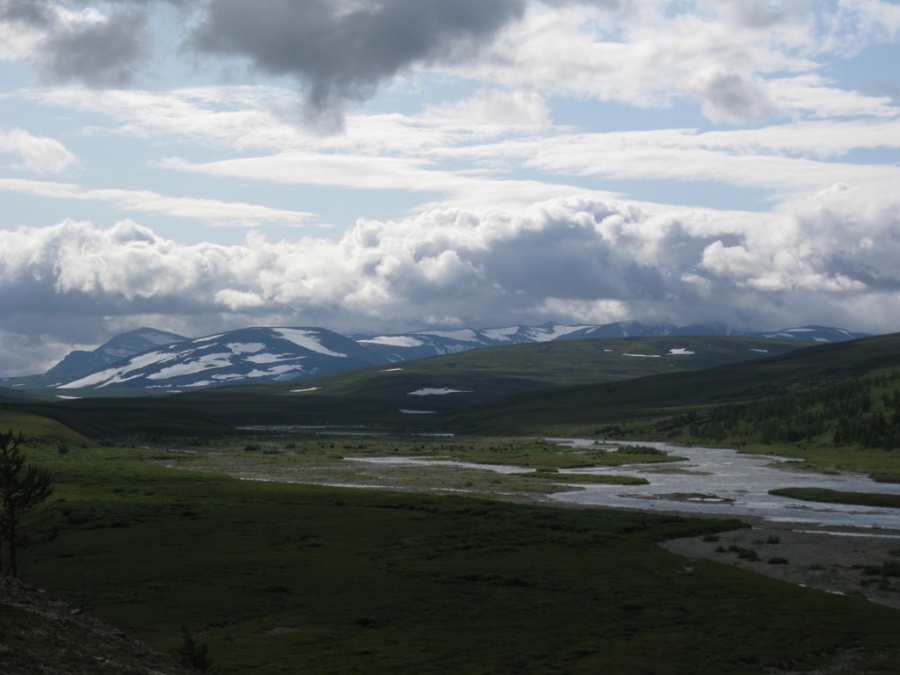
<point>151,360</point>
<point>120,347</point>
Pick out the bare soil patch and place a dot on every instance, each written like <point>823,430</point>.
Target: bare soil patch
<point>847,561</point>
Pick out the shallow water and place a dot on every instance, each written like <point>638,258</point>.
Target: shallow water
<point>713,482</point>
<point>413,461</point>
<point>724,482</point>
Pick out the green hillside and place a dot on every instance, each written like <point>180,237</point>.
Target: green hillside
<point>376,396</point>
<point>566,387</point>
<point>659,398</point>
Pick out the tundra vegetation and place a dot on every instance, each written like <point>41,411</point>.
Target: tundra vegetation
<point>280,577</point>
<point>255,542</point>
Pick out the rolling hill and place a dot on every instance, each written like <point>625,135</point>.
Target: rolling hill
<point>148,361</point>
<point>412,395</point>
<point>592,405</point>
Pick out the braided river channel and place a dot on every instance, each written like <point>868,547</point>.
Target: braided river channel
<point>724,482</point>
<point>715,482</point>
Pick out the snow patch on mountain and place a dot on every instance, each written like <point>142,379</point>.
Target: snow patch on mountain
<point>553,332</point>
<point>206,362</point>
<point>109,376</point>
<point>502,334</point>
<point>272,358</point>
<point>245,347</point>
<point>463,335</point>
<point>443,391</point>
<point>274,372</point>
<point>393,341</point>
<point>307,339</point>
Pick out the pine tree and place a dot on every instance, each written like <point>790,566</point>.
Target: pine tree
<point>23,487</point>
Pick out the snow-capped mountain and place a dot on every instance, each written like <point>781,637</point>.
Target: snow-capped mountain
<point>424,343</point>
<point>275,354</point>
<point>421,344</point>
<point>812,334</point>
<point>246,355</point>
<point>120,347</point>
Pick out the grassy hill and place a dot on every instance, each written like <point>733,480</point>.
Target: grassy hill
<point>376,396</point>
<point>573,388</point>
<point>584,408</point>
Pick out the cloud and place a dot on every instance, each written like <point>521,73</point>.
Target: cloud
<point>859,23</point>
<point>509,223</point>
<point>492,111</point>
<point>37,154</point>
<point>239,117</point>
<point>762,14</point>
<point>342,51</point>
<point>459,152</point>
<point>77,42</point>
<point>101,51</point>
<point>741,60</point>
<point>827,258</point>
<point>27,12</point>
<point>211,211</point>
<point>734,97</point>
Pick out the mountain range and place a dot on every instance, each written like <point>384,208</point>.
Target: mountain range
<point>150,360</point>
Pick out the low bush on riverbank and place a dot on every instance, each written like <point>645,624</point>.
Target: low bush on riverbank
<point>838,497</point>
<point>587,478</point>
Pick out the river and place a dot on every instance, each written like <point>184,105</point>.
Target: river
<point>719,481</point>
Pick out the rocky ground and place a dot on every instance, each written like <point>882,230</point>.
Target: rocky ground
<point>41,635</point>
<point>859,562</point>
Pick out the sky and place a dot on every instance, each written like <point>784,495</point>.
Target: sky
<point>381,166</point>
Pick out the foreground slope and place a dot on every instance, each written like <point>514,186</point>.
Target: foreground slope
<point>43,635</point>
<point>287,578</point>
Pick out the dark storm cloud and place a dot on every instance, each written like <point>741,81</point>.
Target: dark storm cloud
<point>96,50</point>
<point>98,54</point>
<point>30,12</point>
<point>339,51</point>
<point>342,51</point>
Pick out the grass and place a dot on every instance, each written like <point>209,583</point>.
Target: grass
<point>316,459</point>
<point>839,497</point>
<point>40,430</point>
<point>587,478</point>
<point>283,578</point>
